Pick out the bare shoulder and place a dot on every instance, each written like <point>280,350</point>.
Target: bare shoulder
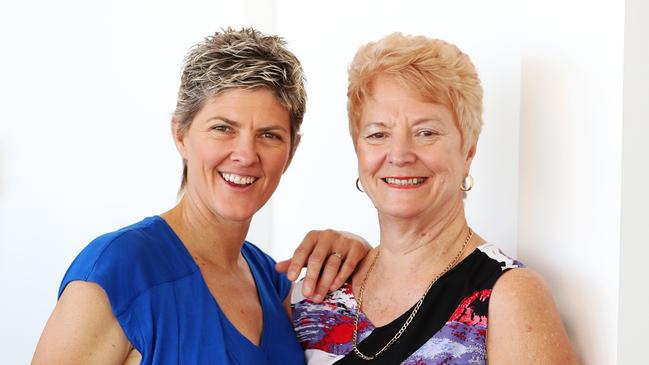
<point>519,285</point>
<point>82,330</point>
<point>524,324</point>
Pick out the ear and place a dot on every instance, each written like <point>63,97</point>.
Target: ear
<point>298,138</point>
<point>179,137</point>
<point>470,153</point>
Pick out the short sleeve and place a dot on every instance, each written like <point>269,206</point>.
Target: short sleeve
<point>127,264</point>
<point>91,265</point>
<point>101,263</point>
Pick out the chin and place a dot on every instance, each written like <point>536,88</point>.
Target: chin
<point>403,216</point>
<point>233,217</point>
<point>240,214</point>
<point>405,213</point>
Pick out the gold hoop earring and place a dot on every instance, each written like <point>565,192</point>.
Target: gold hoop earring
<point>358,185</point>
<point>467,183</point>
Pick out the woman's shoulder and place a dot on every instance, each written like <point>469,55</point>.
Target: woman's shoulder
<point>129,260</point>
<point>493,252</point>
<point>264,265</point>
<point>520,292</point>
<point>481,269</point>
<point>341,299</point>
<point>524,317</point>
<point>146,241</point>
<point>124,242</point>
<point>253,251</point>
<point>258,259</point>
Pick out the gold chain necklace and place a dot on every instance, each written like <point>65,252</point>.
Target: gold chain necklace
<point>414,311</point>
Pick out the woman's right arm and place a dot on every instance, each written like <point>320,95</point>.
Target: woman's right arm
<point>82,330</point>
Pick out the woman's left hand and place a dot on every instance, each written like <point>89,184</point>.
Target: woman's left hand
<point>337,251</point>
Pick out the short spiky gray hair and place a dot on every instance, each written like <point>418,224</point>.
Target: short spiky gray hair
<point>245,59</point>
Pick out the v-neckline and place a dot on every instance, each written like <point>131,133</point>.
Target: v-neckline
<point>224,318</point>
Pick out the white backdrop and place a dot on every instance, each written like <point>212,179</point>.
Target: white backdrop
<point>87,89</point>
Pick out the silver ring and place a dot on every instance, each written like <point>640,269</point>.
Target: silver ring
<point>337,254</point>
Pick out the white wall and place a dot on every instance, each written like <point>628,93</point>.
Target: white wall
<point>570,149</point>
<point>87,91</point>
<point>634,244</point>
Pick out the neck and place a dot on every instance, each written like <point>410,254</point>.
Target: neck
<point>405,236</point>
<point>209,238</point>
<point>414,246</point>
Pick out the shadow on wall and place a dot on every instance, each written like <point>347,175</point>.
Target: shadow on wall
<point>3,170</point>
<point>582,288</point>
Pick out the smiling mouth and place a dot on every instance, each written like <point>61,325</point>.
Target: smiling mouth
<point>411,181</point>
<point>238,179</point>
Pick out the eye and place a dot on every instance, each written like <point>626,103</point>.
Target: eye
<point>222,128</point>
<point>427,133</point>
<point>376,135</point>
<point>272,136</point>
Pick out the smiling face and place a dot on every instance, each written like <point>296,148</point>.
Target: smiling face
<point>410,157</point>
<point>236,148</point>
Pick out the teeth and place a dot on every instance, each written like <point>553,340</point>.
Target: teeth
<point>237,179</point>
<point>411,181</point>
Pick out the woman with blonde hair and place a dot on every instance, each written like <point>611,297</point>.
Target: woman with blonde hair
<point>433,291</point>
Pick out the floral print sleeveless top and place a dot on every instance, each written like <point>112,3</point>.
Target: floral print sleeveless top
<point>449,328</point>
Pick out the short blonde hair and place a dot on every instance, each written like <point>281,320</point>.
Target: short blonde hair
<point>437,70</point>
<point>244,59</point>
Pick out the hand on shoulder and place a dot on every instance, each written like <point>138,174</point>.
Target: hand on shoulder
<point>330,257</point>
<point>524,324</point>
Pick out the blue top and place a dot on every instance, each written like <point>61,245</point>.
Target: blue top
<point>158,295</point>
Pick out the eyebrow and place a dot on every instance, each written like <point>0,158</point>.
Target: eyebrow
<point>236,124</point>
<point>274,128</point>
<point>225,120</point>
<point>377,124</point>
<point>432,118</point>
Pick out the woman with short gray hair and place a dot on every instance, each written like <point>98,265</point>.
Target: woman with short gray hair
<point>184,287</point>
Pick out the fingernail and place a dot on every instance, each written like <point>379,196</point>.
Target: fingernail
<point>317,298</point>
<point>292,274</point>
<point>308,288</point>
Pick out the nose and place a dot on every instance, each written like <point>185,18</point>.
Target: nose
<point>401,151</point>
<point>244,151</point>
